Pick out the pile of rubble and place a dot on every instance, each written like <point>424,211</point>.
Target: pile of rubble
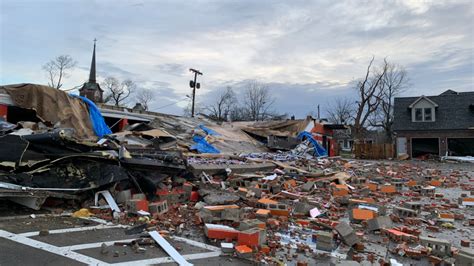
<point>294,207</point>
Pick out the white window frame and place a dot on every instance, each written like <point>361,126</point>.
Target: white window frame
<point>422,117</point>
<point>431,114</point>
<point>423,103</point>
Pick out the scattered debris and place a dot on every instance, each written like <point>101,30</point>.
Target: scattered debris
<point>169,249</point>
<point>260,191</point>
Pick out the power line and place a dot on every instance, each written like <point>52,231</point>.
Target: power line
<point>171,104</point>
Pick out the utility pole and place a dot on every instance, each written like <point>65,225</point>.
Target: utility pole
<point>194,85</point>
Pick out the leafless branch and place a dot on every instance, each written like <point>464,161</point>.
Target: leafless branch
<point>370,91</point>
<point>221,108</point>
<point>118,92</point>
<point>145,97</point>
<point>57,69</point>
<point>341,111</point>
<point>257,101</point>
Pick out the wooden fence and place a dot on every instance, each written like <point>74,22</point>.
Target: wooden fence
<point>374,151</point>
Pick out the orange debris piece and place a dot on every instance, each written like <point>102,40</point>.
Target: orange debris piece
<point>363,214</point>
<point>388,189</point>
<point>243,249</point>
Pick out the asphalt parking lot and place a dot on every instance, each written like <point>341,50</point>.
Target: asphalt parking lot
<point>74,241</point>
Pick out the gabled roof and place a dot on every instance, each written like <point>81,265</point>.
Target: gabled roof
<point>449,92</point>
<point>421,98</point>
<point>453,112</point>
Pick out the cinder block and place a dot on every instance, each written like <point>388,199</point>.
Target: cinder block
<point>251,223</point>
<point>243,251</point>
<point>217,231</point>
<point>123,196</point>
<point>140,196</point>
<point>231,215</point>
<point>135,205</point>
<point>159,207</point>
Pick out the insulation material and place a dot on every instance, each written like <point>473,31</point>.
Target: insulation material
<point>53,106</point>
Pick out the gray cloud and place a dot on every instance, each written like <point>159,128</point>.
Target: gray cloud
<point>172,69</point>
<point>308,52</point>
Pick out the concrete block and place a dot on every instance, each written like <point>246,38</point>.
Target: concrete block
<point>308,186</point>
<point>231,215</point>
<point>227,247</point>
<point>347,233</point>
<point>382,222</point>
<point>251,223</point>
<point>217,231</point>
<point>139,196</point>
<point>159,207</point>
<point>465,256</point>
<point>243,251</point>
<point>252,237</point>
<point>135,205</point>
<point>123,196</point>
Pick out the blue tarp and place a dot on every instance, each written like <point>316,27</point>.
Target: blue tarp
<point>208,130</point>
<point>202,145</point>
<point>98,122</point>
<point>318,149</point>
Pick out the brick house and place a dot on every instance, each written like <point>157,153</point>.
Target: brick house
<point>435,125</point>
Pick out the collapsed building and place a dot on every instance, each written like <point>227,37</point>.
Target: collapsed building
<point>268,192</point>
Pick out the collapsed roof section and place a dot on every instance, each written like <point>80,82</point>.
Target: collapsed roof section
<point>52,106</point>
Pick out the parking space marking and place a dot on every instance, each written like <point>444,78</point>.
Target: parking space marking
<point>69,251</point>
<point>74,229</point>
<point>196,243</point>
<point>169,259</point>
<point>62,251</point>
<point>97,244</point>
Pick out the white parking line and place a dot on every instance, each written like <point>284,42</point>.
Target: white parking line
<point>196,243</point>
<point>61,251</point>
<point>169,259</point>
<point>74,229</point>
<point>97,244</point>
<point>69,251</point>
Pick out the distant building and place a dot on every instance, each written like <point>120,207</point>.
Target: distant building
<point>435,125</point>
<point>91,89</point>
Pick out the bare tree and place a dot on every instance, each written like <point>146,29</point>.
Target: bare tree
<point>341,111</point>
<point>197,109</point>
<point>394,82</point>
<point>370,96</point>
<point>57,69</point>
<point>222,106</point>
<point>238,113</point>
<point>145,97</point>
<point>257,101</point>
<point>118,92</point>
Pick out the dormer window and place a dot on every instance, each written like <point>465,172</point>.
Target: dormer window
<point>423,110</point>
<point>418,114</point>
<point>427,115</point>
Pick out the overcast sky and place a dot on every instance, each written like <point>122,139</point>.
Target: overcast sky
<point>307,52</point>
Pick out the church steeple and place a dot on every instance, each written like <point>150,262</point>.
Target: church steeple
<point>91,89</point>
<point>92,73</point>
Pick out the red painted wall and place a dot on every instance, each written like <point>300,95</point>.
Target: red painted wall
<point>3,111</point>
<point>319,131</point>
